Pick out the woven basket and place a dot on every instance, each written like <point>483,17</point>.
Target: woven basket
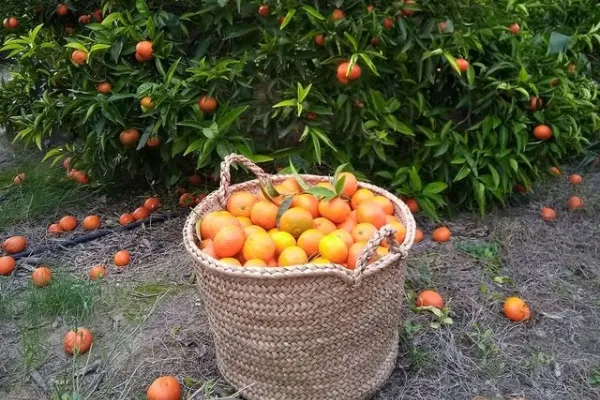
<point>306,332</point>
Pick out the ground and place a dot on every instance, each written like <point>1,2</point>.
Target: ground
<point>148,320</point>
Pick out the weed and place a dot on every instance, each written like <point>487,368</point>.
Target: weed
<point>594,378</point>
<point>487,253</point>
<point>488,350</point>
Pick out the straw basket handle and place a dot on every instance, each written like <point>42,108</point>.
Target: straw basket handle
<point>223,191</point>
<point>387,232</point>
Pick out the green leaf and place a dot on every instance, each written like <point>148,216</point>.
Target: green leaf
<point>287,19</point>
<point>452,62</point>
<point>369,63</point>
<point>286,103</point>
<point>285,205</point>
<point>471,76</point>
<point>230,117</point>
<point>142,8</point>
<point>299,179</point>
<point>172,71</point>
<point>321,192</point>
<point>434,187</point>
<point>314,13</point>
<point>240,30</point>
<point>463,173</point>
<point>352,41</point>
<point>415,179</point>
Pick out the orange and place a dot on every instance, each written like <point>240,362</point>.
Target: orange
<point>290,186</point>
<point>371,212</point>
<point>348,224</point>
<point>385,203</point>
<point>81,177</point>
<point>548,214</point>
<point>575,179</point>
<point>516,309</point>
<point>249,230</point>
<point>91,223</point>
<point>147,102</point>
<point>231,261</point>
<point>350,184</point>
<point>282,240</point>
<point>259,245</point>
<point>320,40</point>
<point>104,88</point>
<point>390,218</point>
<point>309,241</point>
<point>97,272</point>
<point>264,214</point>
<point>207,104</point>
<point>555,171</point>
<point>187,200</point>
<point>55,229</point>
<point>244,221</point>
<point>441,234</point>
<point>292,256</point>
<point>208,248</point>
<point>144,49</point>
<point>337,14</point>
<point>400,231</point>
<point>164,388</point>
<point>515,28</point>
<point>326,185</point>
<point>240,203</point>
<point>13,23</point>
<point>324,225</point>
<point>79,57</point>
<point>255,262</point>
<point>122,258</point>
<point>574,203</point>
<point>14,244</point>
<point>388,23</point>
<point>140,213</point>
<point>129,137</point>
<point>153,141</point>
<point>7,265</point>
<point>20,178</point>
<point>229,241</point>
<point>419,235</point>
<point>206,224</point>
<point>126,219</point>
<point>333,248</point>
<point>430,298</point>
<point>542,132</point>
<point>320,261</point>
<point>352,75</point>
<point>272,263</point>
<point>354,252</point>
<point>535,103</point>
<point>363,232</point>
<point>345,236</point>
<point>296,220</point>
<point>62,9</point>
<point>68,223</point>
<point>41,276</point>
<point>360,196</point>
<point>78,341</point>
<point>152,204</point>
<point>412,205</point>
<point>380,252</point>
<point>336,210</point>
<point>308,202</point>
<point>218,223</point>
<point>462,64</point>
<point>264,10</point>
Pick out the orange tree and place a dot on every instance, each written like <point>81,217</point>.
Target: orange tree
<point>437,100</point>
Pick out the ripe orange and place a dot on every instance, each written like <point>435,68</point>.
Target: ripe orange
<point>320,261</point>
<point>419,235</point>
<point>371,212</point>
<point>41,276</point>
<point>412,205</point>
<point>282,241</point>
<point>85,19</point>
<point>442,26</point>
<point>78,341</point>
<point>575,179</point>
<point>153,141</point>
<point>354,252</point>
<point>388,23</point>
<point>259,245</point>
<point>219,222</point>
<point>264,10</point>
<point>548,214</point>
<point>20,178</point>
<point>91,223</point>
<point>249,230</point>
<point>231,261</point>
<point>206,222</point>
<point>68,223</point>
<point>337,14</point>
<point>462,64</point>
<point>97,14</point>
<point>400,231</point>
<point>348,224</point>
<point>350,184</point>
<point>97,272</point>
<point>208,247</point>
<point>308,202</point>
<point>7,265</point>
<point>264,214</point>
<point>516,309</point>
<point>345,236</point>
<point>55,230</point>
<point>244,221</point>
<point>430,298</point>
<point>81,177</point>
<point>13,23</point>
<point>515,28</point>
<point>164,388</point>
<point>542,132</point>
<point>336,210</point>
<point>122,258</point>
<point>62,9</point>
<point>360,196</point>
<point>320,39</point>
<point>14,244</point>
<point>272,262</point>
<point>380,252</point>
<point>441,234</point>
<point>555,171</point>
<point>126,219</point>
<point>147,102</point>
<point>375,41</point>
<point>352,75</point>
<point>187,200</point>
<point>255,262</point>
<point>296,220</point>
<point>333,248</point>
<point>391,218</point>
<point>207,104</point>
<point>152,204</point>
<point>293,255</point>
<point>140,213</point>
<point>535,103</point>
<point>240,204</point>
<point>385,203</point>
<point>290,186</point>
<point>363,232</point>
<point>309,241</point>
<point>144,49</point>
<point>140,58</point>
<point>104,88</point>
<point>326,185</point>
<point>79,57</point>
<point>407,12</point>
<point>324,225</point>
<point>129,137</point>
<point>229,241</point>
<point>574,203</point>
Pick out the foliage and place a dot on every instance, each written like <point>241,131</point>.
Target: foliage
<point>412,121</point>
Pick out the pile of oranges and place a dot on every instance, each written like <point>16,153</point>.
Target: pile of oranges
<point>293,226</point>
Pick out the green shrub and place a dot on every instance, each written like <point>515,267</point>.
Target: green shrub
<point>412,121</point>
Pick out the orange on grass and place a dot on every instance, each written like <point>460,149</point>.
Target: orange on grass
<point>207,104</point>
<point>41,276</point>
<point>574,203</point>
<point>324,225</point>
<point>419,235</point>
<point>255,262</point>
<point>240,204</point>
<point>462,64</point>
<point>350,184</point>
<point>372,213</point>
<point>129,137</point>
<point>441,234</point>
<point>363,232</point>
<point>575,179</point>
<point>55,229</point>
<point>152,204</point>
<point>385,203</point>
<point>231,261</point>
<point>542,132</point>
<point>249,230</point>
<point>555,171</point>
<point>79,57</point>
<point>164,388</point>
<point>344,235</point>
<point>348,224</point>
<point>78,341</point>
<point>264,214</point>
<point>20,178</point>
<point>296,220</point>
<point>548,214</point>
<point>7,265</point>
<point>336,210</point>
<point>293,255</point>
<point>354,252</point>
<point>147,102</point>
<point>430,298</point>
<point>308,202</point>
<point>259,245</point>
<point>91,223</point>
<point>282,241</point>
<point>97,272</point>
<point>516,309</point>
<point>320,261</point>
<point>14,244</point>
<point>360,196</point>
<point>187,200</point>
<point>122,258</point>
<point>104,88</point>
<point>68,223</point>
<point>244,221</point>
<point>229,241</point>
<point>126,219</point>
<point>144,49</point>
<point>140,213</point>
<point>309,241</point>
<point>333,248</point>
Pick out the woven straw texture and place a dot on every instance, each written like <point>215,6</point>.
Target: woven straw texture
<point>303,332</point>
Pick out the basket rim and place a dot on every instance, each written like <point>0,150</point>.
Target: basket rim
<point>349,276</point>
